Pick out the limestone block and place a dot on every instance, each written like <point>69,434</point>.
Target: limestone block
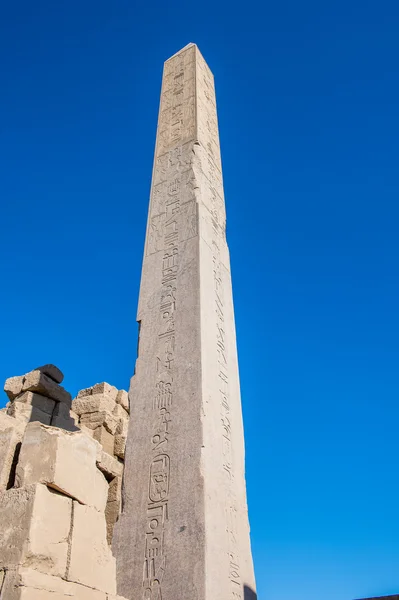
<point>120,413</point>
<point>31,578</point>
<point>66,424</point>
<point>53,372</point>
<point>94,403</point>
<point>13,386</point>
<point>120,445</point>
<point>115,490</point>
<point>74,416</point>
<point>67,463</point>
<point>109,465</point>
<point>62,418</point>
<point>10,441</point>
<point>52,588</point>
<point>61,410</point>
<point>106,389</point>
<point>11,433</point>
<point>7,421</point>
<point>100,388</point>
<point>84,392</point>
<point>112,512</point>
<point>123,399</point>
<point>91,560</point>
<point>113,508</point>
<point>105,438</point>
<point>35,523</point>
<point>94,420</point>
<point>36,381</point>
<point>38,401</point>
<point>8,584</point>
<point>35,594</point>
<point>87,430</point>
<point>122,427</point>
<point>28,413</point>
<point>47,549</point>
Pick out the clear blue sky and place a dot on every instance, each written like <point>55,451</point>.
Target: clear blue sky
<point>308,96</point>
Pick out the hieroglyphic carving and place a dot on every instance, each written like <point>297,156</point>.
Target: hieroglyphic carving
<point>226,423</point>
<point>189,211</point>
<point>209,159</point>
<point>170,222</point>
<point>183,166</point>
<point>155,233</point>
<point>177,115</point>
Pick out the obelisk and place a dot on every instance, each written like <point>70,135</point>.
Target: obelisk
<point>183,533</point>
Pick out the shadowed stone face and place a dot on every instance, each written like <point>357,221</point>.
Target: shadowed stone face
<point>184,529</point>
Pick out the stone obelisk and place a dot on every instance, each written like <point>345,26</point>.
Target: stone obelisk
<point>183,533</point>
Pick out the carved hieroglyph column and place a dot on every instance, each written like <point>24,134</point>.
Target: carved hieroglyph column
<point>183,533</point>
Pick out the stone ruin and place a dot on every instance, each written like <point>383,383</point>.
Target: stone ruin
<point>61,467</point>
<point>183,530</point>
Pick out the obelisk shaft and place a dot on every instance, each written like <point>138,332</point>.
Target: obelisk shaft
<point>184,532</point>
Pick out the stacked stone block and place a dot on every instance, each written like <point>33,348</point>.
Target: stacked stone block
<point>56,488</point>
<point>102,411</point>
<point>53,541</point>
<point>38,396</point>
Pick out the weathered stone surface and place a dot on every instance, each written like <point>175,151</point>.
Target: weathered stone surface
<point>120,445</point>
<point>66,424</point>
<point>52,588</point>
<point>47,548</point>
<point>122,427</point>
<point>115,490</point>
<point>13,386</point>
<point>35,594</point>
<point>100,388</point>
<point>38,401</point>
<point>123,399</point>
<point>36,381</point>
<point>91,561</point>
<point>53,372</point>
<point>120,413</point>
<point>35,524</point>
<point>113,508</point>
<point>184,487</point>
<point>94,403</point>
<point>7,421</point>
<point>74,416</point>
<point>84,392</point>
<point>63,418</point>
<point>94,420</point>
<point>27,413</point>
<point>105,438</point>
<point>106,389</point>
<point>87,430</point>
<point>10,440</point>
<point>61,410</point>
<point>11,433</point>
<point>112,512</point>
<point>109,465</point>
<point>68,464</point>
<point>8,445</point>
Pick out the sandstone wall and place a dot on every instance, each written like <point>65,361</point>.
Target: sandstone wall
<point>60,488</point>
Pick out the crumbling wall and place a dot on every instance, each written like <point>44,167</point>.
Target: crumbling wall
<point>60,483</point>
<point>102,412</point>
